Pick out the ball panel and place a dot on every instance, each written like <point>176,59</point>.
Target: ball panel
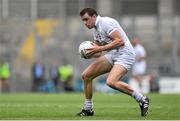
<point>82,48</point>
<point>83,54</point>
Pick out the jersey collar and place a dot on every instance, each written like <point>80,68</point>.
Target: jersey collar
<point>97,20</point>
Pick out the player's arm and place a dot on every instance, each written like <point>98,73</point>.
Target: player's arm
<point>117,41</point>
<point>97,42</point>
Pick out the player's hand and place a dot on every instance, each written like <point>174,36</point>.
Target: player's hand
<point>91,51</point>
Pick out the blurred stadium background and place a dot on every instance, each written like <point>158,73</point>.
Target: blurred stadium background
<point>52,30</point>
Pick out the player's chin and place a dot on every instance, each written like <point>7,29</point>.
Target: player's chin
<point>89,27</point>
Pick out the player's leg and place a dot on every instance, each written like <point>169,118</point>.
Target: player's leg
<point>114,77</point>
<point>4,85</point>
<point>98,67</point>
<point>139,79</point>
<point>138,72</point>
<point>0,85</point>
<point>113,80</point>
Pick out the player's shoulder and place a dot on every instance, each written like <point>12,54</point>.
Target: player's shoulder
<point>107,19</point>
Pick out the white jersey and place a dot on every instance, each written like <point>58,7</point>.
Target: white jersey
<point>139,66</point>
<point>104,27</point>
<point>124,55</point>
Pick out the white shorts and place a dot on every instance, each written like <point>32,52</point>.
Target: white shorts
<point>124,59</point>
<point>139,68</point>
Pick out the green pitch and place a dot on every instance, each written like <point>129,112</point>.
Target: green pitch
<point>65,106</point>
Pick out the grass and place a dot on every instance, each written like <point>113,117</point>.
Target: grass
<point>65,106</point>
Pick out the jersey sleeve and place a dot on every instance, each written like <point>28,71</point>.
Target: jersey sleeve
<point>109,26</point>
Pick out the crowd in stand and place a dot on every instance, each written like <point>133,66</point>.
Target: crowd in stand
<point>5,74</point>
<point>59,78</point>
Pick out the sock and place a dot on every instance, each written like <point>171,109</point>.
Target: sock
<point>88,104</point>
<point>137,96</point>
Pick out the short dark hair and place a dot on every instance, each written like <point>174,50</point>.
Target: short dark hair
<point>89,11</point>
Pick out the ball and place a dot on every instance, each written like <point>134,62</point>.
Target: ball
<point>83,48</point>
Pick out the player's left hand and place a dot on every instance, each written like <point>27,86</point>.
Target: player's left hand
<point>91,51</point>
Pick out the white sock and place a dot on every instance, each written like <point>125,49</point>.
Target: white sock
<point>88,104</point>
<point>137,96</point>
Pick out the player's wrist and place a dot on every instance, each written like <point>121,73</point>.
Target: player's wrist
<point>101,48</point>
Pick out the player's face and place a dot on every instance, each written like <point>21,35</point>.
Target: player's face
<point>135,41</point>
<point>89,21</point>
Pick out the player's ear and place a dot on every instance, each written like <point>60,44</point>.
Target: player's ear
<point>94,16</point>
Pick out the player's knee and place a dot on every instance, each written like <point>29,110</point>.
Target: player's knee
<point>85,76</point>
<point>110,83</point>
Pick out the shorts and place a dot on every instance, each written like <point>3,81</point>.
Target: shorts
<point>139,68</point>
<point>124,59</point>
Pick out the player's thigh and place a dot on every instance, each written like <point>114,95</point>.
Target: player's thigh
<point>98,67</point>
<point>116,73</point>
<point>138,77</point>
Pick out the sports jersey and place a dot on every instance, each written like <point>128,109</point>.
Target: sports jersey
<point>104,27</point>
<point>123,55</point>
<point>139,66</point>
